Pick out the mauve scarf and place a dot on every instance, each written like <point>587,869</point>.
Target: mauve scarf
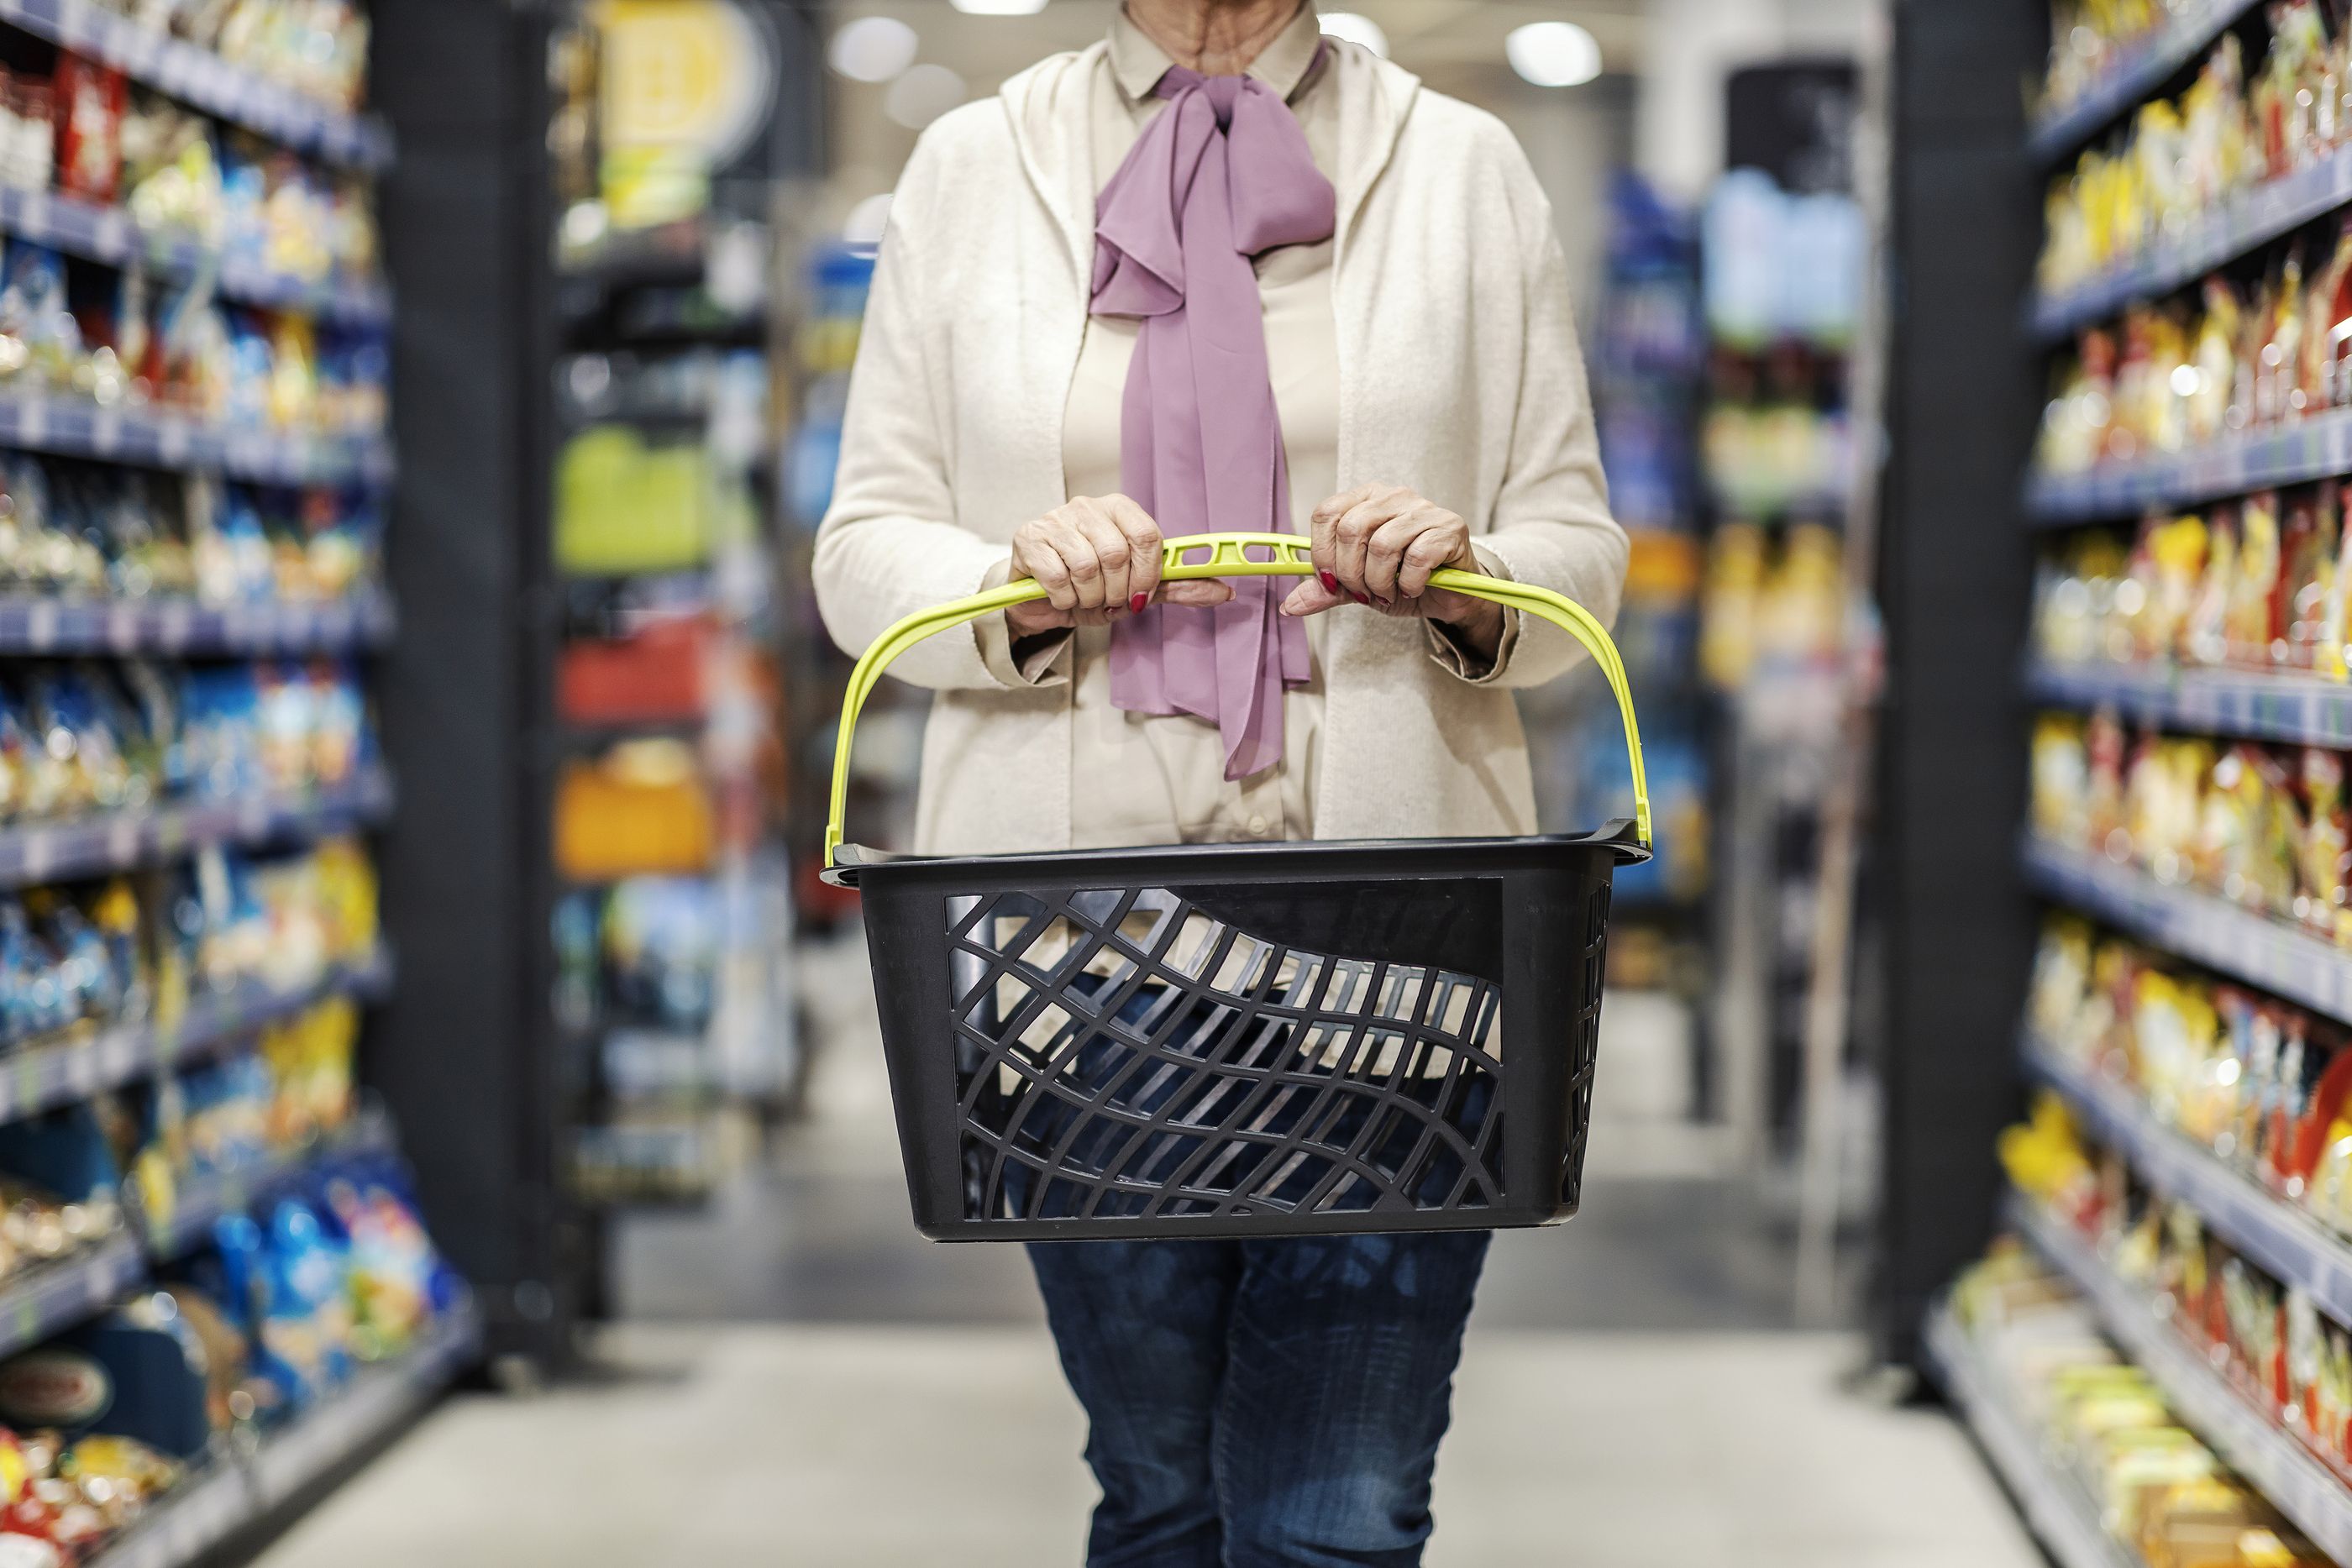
<point>1221,175</point>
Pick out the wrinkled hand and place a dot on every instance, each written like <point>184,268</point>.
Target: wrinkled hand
<point>1378,545</point>
<point>1097,559</point>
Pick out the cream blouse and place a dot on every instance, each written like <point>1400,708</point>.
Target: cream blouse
<point>1149,779</point>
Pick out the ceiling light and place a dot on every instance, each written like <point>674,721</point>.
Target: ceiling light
<point>998,8</point>
<point>1553,54</point>
<point>922,95</point>
<point>872,49</point>
<point>1356,29</point>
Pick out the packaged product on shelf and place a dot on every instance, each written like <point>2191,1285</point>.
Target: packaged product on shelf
<point>193,352</point>
<point>91,99</point>
<point>171,179</point>
<point>643,808</point>
<point>2158,1490</point>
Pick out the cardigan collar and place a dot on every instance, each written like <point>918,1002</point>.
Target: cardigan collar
<point>1047,109</point>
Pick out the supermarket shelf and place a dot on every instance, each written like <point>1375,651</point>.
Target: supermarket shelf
<point>2282,1238</point>
<point>2294,707</point>
<point>2194,25</point>
<point>2198,925</point>
<point>377,1400</point>
<point>2313,448</point>
<point>2064,1517</point>
<point>2297,1485</point>
<point>92,846</point>
<point>70,428</point>
<point>203,1512</point>
<point>39,624</point>
<point>232,1494</point>
<point>52,1297</point>
<point>199,1204</point>
<point>204,80</point>
<point>106,233</point>
<point>2244,220</point>
<point>38,1077</point>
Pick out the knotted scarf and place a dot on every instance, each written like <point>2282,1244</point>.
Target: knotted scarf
<point>1222,175</point>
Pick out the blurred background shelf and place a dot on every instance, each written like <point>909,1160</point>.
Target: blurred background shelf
<point>2288,1242</point>
<point>2298,1485</point>
<point>2175,43</point>
<point>2282,706</point>
<point>2317,447</point>
<point>42,624</point>
<point>45,1074</point>
<point>50,1297</point>
<point>2245,221</point>
<point>2198,925</point>
<point>202,79</point>
<point>99,233</point>
<point>49,852</point>
<point>152,439</point>
<point>2065,1518</point>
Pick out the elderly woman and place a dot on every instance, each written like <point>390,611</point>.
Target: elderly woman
<point>1220,273</point>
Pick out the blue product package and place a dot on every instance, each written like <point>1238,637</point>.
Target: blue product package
<point>63,1150</point>
<point>156,1370</point>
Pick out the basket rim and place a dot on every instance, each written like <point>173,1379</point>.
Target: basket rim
<point>1305,858</point>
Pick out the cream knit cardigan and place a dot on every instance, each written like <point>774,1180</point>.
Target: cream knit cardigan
<point>1459,376</point>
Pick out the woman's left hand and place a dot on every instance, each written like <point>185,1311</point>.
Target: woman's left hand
<point>1377,545</point>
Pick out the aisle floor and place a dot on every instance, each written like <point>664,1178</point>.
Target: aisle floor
<point>917,1447</point>
<point>805,1381</point>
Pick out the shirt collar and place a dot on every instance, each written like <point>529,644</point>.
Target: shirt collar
<point>1137,64</point>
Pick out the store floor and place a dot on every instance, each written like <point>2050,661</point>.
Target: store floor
<point>805,1381</point>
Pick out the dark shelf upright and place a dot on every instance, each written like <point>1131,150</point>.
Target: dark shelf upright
<point>1956,574</point>
<point>466,1055</point>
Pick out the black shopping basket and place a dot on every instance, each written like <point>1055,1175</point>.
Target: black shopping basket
<point>1240,1040</point>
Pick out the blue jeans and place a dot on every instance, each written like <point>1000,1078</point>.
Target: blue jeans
<point>1257,1403</point>
<point>1264,1403</point>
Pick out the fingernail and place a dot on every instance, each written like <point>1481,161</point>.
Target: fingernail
<point>1331,583</point>
<point>1137,601</point>
<point>1358,597</point>
<point>1385,603</point>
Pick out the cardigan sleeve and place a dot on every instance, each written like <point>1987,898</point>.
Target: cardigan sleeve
<point>889,544</point>
<point>1550,525</point>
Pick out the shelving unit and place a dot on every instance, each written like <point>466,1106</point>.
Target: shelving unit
<point>2196,24</point>
<point>200,1205</point>
<point>34,1078</point>
<point>2304,709</point>
<point>2298,1485</point>
<point>247,1478</point>
<point>40,625</point>
<point>2213,931</point>
<point>50,1297</point>
<point>2286,1241</point>
<point>2312,448</point>
<point>204,80</point>
<point>94,846</point>
<point>96,231</point>
<point>2249,219</point>
<point>1970,398</point>
<point>2065,1518</point>
<point>240,1490</point>
<point>151,438</point>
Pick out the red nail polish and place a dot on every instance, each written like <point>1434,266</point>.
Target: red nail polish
<point>1137,601</point>
<point>1331,583</point>
<point>1358,597</point>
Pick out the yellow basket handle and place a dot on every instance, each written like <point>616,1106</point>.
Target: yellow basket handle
<point>1227,555</point>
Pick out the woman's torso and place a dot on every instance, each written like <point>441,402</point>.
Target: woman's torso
<point>1146,779</point>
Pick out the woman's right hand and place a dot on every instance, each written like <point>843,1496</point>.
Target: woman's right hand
<point>1097,559</point>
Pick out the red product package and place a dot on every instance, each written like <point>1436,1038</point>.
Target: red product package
<point>90,99</point>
